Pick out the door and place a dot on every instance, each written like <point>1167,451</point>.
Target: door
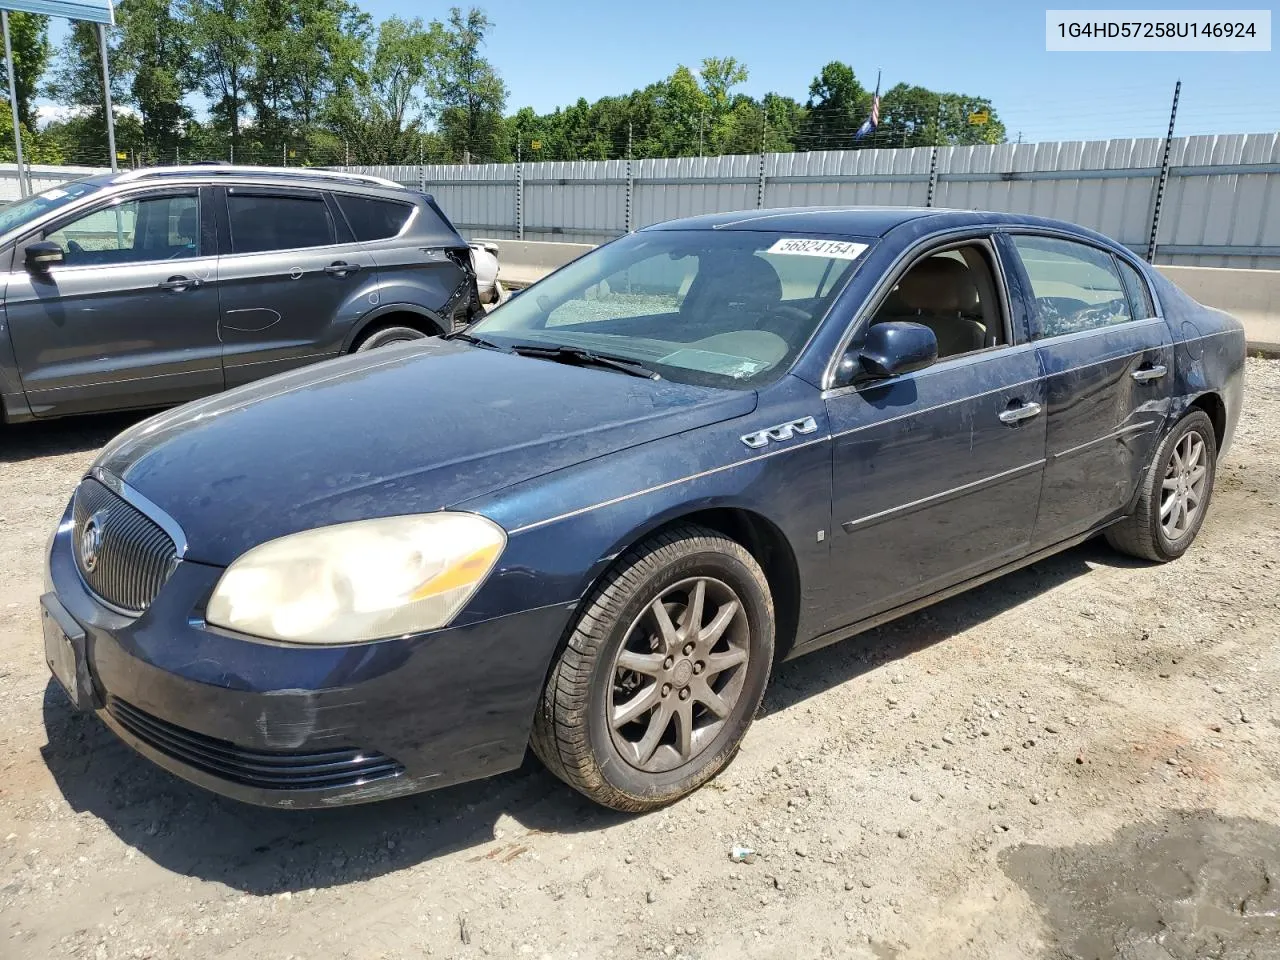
<point>936,474</point>
<point>1108,364</point>
<point>291,284</point>
<point>129,318</point>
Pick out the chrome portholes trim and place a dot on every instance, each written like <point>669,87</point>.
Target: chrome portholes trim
<point>849,526</point>
<point>779,433</point>
<point>1118,434</point>
<point>664,486</point>
<point>153,512</point>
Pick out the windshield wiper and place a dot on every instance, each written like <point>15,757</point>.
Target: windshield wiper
<point>468,338</point>
<point>577,356</point>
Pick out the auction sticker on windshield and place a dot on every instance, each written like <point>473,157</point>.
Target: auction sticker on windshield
<point>834,249</point>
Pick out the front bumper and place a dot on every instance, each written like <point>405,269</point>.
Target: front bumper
<point>293,726</point>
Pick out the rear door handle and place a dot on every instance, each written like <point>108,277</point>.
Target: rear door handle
<point>178,284</point>
<point>341,268</point>
<point>1023,411</point>
<point>1155,372</point>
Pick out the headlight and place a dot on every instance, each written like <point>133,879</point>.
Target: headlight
<point>358,581</point>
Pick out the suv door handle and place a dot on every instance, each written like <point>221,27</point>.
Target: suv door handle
<point>179,283</point>
<point>341,268</point>
<point>1023,411</point>
<point>1155,372</point>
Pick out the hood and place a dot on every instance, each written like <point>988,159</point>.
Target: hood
<point>393,431</point>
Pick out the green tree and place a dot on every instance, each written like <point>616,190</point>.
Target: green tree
<point>471,94</point>
<point>837,106</point>
<point>383,113</point>
<point>912,116</point>
<point>154,51</point>
<point>76,82</point>
<point>29,38</point>
<point>222,59</point>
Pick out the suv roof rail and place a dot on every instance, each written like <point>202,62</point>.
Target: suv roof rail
<point>226,170</point>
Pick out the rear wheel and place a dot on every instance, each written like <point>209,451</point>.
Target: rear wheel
<point>383,336</point>
<point>663,672</point>
<point>1175,493</point>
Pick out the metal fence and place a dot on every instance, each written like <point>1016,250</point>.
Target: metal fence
<point>1221,203</point>
<point>1220,207</point>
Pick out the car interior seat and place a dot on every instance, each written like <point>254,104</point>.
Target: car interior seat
<point>941,294</point>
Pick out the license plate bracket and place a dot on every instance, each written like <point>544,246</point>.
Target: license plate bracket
<point>64,651</point>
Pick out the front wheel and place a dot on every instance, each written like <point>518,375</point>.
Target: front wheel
<point>384,336</point>
<point>1175,493</point>
<point>663,672</point>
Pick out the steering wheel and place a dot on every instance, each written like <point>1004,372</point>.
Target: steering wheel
<point>73,247</point>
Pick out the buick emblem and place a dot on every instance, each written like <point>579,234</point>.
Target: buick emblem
<point>91,542</point>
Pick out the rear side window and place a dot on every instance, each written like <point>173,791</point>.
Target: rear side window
<point>1139,292</point>
<point>1076,286</point>
<point>373,219</point>
<point>261,222</point>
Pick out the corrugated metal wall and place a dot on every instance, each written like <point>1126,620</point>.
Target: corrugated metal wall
<point>1221,206</point>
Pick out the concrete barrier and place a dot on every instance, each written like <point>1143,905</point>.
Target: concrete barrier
<point>1252,296</point>
<point>522,262</point>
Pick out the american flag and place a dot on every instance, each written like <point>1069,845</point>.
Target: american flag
<point>869,125</point>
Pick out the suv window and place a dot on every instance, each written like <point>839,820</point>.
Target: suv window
<point>262,222</point>
<point>135,231</point>
<point>373,219</point>
<point>1076,286</point>
<point>1139,293</point>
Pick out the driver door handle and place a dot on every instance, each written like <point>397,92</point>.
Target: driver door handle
<point>341,268</point>
<point>1145,374</point>
<point>179,283</point>
<point>1023,411</point>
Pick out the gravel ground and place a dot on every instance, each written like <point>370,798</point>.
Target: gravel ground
<point>1078,760</point>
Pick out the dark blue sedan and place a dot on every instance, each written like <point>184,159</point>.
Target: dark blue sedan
<point>593,522</point>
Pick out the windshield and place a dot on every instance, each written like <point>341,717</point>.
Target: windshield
<point>15,215</point>
<point>721,308</point>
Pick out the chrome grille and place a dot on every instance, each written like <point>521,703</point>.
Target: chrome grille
<point>267,769</point>
<point>122,555</point>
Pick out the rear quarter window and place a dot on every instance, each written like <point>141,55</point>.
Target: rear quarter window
<point>374,219</point>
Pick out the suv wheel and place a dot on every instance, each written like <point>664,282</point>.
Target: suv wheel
<point>385,335</point>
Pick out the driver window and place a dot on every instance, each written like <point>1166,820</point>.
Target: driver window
<point>953,293</point>
<point>1075,286</point>
<point>154,228</point>
<point>647,288</point>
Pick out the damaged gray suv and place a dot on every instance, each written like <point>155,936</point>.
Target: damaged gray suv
<point>153,287</point>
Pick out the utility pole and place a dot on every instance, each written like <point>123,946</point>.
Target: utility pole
<point>701,121</point>
<point>13,102</point>
<point>106,95</point>
<point>1158,200</point>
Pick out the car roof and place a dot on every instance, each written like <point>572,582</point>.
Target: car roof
<point>866,221</point>
<point>215,172</point>
<point>848,221</point>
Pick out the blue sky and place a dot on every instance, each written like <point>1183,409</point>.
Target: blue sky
<point>550,54</point>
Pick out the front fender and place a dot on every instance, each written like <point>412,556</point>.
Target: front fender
<point>384,310</point>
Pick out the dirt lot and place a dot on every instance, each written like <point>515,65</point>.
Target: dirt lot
<point>1079,760</point>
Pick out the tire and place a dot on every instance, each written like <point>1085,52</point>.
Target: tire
<point>383,336</point>
<point>588,689</point>
<point>1148,534</point>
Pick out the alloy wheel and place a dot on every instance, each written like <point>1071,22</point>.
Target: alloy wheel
<point>1182,491</point>
<point>678,674</point>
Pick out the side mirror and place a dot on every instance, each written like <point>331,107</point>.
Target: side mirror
<point>891,348</point>
<point>42,255</point>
